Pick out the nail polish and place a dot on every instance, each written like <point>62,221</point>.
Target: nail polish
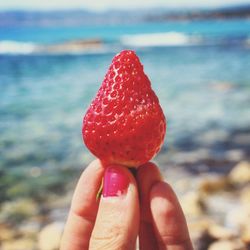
<point>115,182</point>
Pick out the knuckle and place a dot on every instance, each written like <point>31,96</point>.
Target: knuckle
<point>170,240</point>
<point>113,239</point>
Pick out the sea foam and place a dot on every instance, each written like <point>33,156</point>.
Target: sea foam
<point>13,47</point>
<point>160,39</point>
<point>77,47</point>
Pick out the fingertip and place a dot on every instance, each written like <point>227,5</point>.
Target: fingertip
<point>96,164</point>
<point>126,171</point>
<point>148,174</point>
<point>84,198</point>
<point>117,179</point>
<point>164,200</point>
<point>163,189</point>
<point>149,166</point>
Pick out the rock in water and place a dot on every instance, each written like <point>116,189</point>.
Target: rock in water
<point>240,174</point>
<point>227,245</point>
<point>19,244</point>
<point>50,236</point>
<point>245,237</point>
<point>245,197</point>
<point>213,184</point>
<point>192,204</point>
<point>219,232</point>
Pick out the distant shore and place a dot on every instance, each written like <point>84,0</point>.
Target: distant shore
<point>240,12</point>
<point>68,18</point>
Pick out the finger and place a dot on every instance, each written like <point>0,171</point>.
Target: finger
<point>117,220</point>
<point>83,209</point>
<point>147,175</point>
<point>169,221</point>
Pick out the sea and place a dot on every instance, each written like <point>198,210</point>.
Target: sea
<point>200,70</point>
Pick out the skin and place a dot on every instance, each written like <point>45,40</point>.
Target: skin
<point>149,209</point>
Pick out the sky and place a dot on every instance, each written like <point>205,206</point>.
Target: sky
<point>100,5</point>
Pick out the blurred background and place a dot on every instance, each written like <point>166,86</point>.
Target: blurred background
<point>53,57</point>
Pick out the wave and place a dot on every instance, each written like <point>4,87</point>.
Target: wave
<point>160,39</point>
<point>248,41</point>
<point>77,47</point>
<point>13,47</point>
<point>168,39</point>
<point>96,46</point>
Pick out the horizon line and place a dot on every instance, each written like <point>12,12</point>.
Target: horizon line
<point>134,8</point>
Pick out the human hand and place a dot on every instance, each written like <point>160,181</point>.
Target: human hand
<point>115,221</point>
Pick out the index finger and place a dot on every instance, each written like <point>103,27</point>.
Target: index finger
<point>83,209</point>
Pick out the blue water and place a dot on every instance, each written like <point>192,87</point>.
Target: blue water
<point>202,88</point>
<point>216,28</point>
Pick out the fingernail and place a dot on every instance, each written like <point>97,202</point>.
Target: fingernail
<point>115,182</point>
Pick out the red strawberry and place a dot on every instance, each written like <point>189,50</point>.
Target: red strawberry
<point>124,123</point>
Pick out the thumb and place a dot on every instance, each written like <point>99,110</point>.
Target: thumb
<point>117,221</point>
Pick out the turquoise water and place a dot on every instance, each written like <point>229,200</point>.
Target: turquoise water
<point>212,28</point>
<point>202,87</point>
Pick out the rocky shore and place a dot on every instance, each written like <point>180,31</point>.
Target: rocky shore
<point>217,208</point>
<point>210,173</point>
<point>70,47</point>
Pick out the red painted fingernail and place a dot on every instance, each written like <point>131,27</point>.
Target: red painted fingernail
<point>115,182</point>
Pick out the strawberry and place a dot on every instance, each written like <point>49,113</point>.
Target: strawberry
<point>124,123</point>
